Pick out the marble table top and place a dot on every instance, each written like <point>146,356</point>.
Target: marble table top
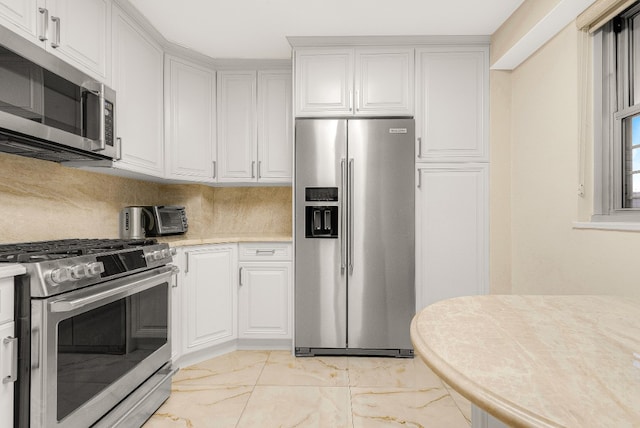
<point>538,361</point>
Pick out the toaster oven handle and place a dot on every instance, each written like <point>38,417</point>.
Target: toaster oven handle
<point>127,289</point>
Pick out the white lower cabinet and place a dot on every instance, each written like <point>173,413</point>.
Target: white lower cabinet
<point>210,295</point>
<point>8,347</point>
<point>452,215</point>
<point>265,291</point>
<point>264,300</point>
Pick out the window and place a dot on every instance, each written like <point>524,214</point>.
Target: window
<point>617,118</point>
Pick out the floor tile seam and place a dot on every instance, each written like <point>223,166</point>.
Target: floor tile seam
<point>253,388</point>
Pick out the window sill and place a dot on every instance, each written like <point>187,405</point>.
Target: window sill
<point>621,226</point>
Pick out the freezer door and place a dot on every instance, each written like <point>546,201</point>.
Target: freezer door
<point>381,294</point>
<point>320,281</point>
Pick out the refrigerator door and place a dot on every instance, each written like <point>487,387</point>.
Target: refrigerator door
<point>320,281</point>
<point>381,295</point>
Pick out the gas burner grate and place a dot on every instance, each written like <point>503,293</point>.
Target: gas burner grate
<point>64,248</point>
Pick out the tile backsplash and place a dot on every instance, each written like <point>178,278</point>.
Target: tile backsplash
<point>42,200</point>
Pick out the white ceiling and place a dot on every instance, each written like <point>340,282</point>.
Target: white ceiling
<point>257,28</point>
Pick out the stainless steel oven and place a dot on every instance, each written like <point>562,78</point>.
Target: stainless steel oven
<point>94,334</point>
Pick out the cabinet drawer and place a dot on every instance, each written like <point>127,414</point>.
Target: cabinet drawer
<point>6,299</point>
<point>265,251</point>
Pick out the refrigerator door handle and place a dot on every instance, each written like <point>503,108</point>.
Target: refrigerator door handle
<point>351,209</point>
<point>343,205</point>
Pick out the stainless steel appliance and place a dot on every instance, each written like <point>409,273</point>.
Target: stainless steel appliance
<point>92,322</point>
<point>153,220</point>
<point>354,236</point>
<point>51,111</point>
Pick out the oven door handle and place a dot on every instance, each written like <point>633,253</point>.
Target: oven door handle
<point>67,305</point>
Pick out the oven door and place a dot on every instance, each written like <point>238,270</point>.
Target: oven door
<point>94,346</point>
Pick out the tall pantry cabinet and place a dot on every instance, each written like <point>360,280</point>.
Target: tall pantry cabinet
<point>452,162</point>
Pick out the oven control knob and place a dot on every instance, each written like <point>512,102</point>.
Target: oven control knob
<point>60,275</point>
<point>95,268</point>
<point>166,253</point>
<point>78,271</point>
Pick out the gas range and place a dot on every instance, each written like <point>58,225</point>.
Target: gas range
<point>59,266</point>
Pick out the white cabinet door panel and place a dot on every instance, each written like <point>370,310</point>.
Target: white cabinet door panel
<point>384,82</point>
<point>237,129</point>
<point>6,366</point>
<point>138,81</point>
<point>84,34</point>
<point>190,119</point>
<point>265,300</point>
<point>210,280</point>
<point>275,139</point>
<point>22,17</point>
<point>452,116</point>
<point>451,232</point>
<point>324,82</point>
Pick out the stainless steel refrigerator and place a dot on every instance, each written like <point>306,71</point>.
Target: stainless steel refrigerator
<point>354,236</point>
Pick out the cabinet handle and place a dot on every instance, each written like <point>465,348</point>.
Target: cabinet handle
<point>259,167</point>
<point>44,24</point>
<point>419,179</point>
<point>13,376</point>
<point>214,169</point>
<point>271,252</point>
<point>240,276</point>
<point>253,167</point>
<point>56,40</point>
<point>118,148</point>
<point>420,147</point>
<point>350,100</point>
<point>186,263</point>
<point>357,100</point>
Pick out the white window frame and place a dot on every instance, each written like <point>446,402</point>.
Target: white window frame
<point>611,107</point>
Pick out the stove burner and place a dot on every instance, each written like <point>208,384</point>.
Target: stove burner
<point>52,250</point>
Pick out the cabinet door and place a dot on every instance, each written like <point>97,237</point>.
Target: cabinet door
<point>22,17</point>
<point>80,34</point>
<point>384,82</point>
<point>138,81</point>
<point>453,104</point>
<point>6,366</point>
<point>275,130</point>
<point>210,296</point>
<point>451,232</point>
<point>324,82</point>
<point>190,116</point>
<point>237,130</point>
<point>265,300</point>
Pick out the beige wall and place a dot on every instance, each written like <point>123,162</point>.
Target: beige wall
<point>42,200</point>
<point>539,109</point>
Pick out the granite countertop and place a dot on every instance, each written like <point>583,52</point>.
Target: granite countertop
<point>539,361</point>
<point>181,241</point>
<point>8,270</point>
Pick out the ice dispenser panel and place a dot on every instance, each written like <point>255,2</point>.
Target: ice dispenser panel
<point>321,221</point>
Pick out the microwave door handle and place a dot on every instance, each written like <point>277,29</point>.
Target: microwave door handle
<point>101,111</point>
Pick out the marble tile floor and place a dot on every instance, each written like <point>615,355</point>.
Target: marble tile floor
<point>274,389</point>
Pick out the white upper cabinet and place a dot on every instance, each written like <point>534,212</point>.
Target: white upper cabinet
<point>255,141</point>
<point>138,81</point>
<point>348,82</point>
<point>384,82</point>
<point>77,31</point>
<point>237,126</point>
<point>452,119</point>
<point>190,121</point>
<point>275,130</point>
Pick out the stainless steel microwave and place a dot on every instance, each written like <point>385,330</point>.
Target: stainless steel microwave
<point>50,110</point>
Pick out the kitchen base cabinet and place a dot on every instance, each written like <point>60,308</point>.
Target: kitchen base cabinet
<point>210,299</point>
<point>264,300</point>
<point>451,232</point>
<point>6,361</point>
